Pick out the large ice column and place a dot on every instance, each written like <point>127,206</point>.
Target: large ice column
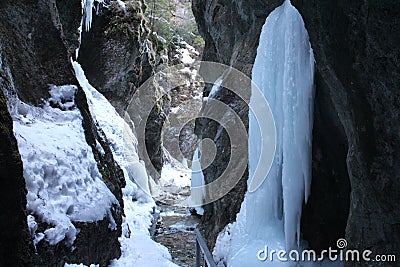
<point>284,72</point>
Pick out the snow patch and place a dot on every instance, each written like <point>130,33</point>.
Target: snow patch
<point>224,242</point>
<point>63,96</point>
<point>139,249</point>
<point>174,176</point>
<point>186,58</point>
<point>186,53</point>
<point>61,174</point>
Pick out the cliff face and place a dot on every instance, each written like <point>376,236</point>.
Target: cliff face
<point>37,40</point>
<point>119,56</point>
<point>117,52</point>
<point>15,247</point>
<point>358,75</point>
<point>355,188</point>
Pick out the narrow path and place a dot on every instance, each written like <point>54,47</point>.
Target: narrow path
<point>175,228</point>
<point>175,231</point>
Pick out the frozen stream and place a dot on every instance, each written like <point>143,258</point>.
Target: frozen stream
<point>175,227</point>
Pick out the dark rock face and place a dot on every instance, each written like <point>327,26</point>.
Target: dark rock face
<point>95,243</point>
<point>117,55</point>
<point>37,40</point>
<point>16,248</point>
<point>357,60</point>
<point>231,31</point>
<point>34,44</point>
<point>356,166</point>
<point>324,217</point>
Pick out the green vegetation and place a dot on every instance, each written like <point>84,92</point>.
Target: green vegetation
<point>130,22</point>
<point>171,18</point>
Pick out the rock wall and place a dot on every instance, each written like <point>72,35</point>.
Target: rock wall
<point>358,77</point>
<point>37,40</point>
<point>118,56</point>
<point>355,188</point>
<point>16,248</point>
<point>178,134</point>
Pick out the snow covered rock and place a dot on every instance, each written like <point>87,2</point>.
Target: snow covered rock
<point>28,68</point>
<point>63,180</point>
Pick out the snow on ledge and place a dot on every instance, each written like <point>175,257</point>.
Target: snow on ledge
<point>61,174</point>
<point>137,247</point>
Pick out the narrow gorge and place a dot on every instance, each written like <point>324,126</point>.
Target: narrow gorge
<point>131,127</point>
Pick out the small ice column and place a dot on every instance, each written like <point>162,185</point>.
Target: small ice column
<point>284,72</point>
<point>198,195</point>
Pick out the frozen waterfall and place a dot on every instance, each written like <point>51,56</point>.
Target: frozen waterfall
<point>270,216</point>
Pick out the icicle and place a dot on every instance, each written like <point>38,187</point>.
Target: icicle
<point>87,6</point>
<point>87,17</point>
<point>284,70</point>
<point>86,21</point>
<point>216,87</point>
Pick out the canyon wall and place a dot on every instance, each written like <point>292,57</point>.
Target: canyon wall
<point>120,54</point>
<point>358,77</point>
<point>16,247</point>
<point>38,40</point>
<point>355,188</point>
